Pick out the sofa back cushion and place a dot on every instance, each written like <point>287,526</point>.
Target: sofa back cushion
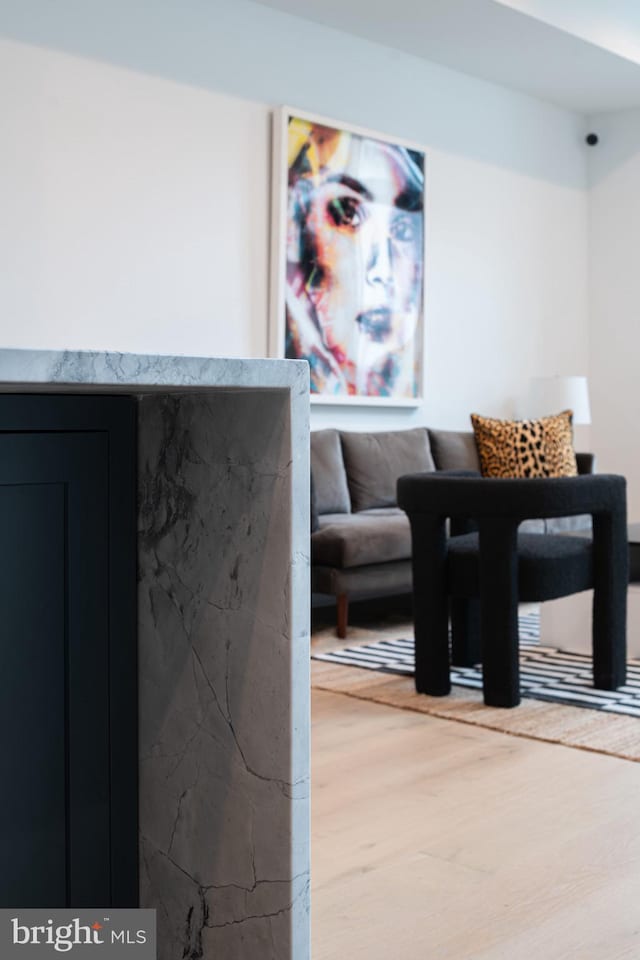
<point>330,490</point>
<point>454,450</point>
<point>374,461</point>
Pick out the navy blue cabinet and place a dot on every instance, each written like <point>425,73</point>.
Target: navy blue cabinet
<point>68,636</point>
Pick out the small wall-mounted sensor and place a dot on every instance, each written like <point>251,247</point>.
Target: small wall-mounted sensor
<point>591,139</point>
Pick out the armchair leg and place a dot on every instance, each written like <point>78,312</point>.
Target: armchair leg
<point>499,612</point>
<point>343,615</point>
<point>430,606</point>
<point>466,649</point>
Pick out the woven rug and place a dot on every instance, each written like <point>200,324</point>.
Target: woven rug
<point>556,690</point>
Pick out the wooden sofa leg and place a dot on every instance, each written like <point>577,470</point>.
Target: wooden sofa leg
<point>343,615</point>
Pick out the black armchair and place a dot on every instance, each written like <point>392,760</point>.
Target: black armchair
<point>487,572</point>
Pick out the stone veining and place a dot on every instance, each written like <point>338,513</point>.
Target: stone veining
<point>215,566</point>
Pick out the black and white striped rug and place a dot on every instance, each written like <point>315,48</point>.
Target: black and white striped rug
<point>545,673</point>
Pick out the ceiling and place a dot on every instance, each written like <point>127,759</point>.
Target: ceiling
<point>579,54</point>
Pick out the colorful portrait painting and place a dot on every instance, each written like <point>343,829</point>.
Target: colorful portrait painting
<point>354,263</point>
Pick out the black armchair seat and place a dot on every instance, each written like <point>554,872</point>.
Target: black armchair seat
<point>549,566</point>
<point>481,577</point>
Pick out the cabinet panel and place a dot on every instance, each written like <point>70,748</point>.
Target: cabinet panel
<point>32,695</point>
<point>67,491</point>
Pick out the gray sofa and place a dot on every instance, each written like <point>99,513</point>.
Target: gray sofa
<point>360,540</point>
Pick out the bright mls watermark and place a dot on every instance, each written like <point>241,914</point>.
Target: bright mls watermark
<point>78,934</point>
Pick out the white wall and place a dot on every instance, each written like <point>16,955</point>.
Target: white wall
<point>137,194</point>
<point>615,297</point>
<point>137,216</point>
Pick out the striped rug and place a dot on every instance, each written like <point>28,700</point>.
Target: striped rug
<point>546,674</point>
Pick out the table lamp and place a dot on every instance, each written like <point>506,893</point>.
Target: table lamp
<point>551,395</point>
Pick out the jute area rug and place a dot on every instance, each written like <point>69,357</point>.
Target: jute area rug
<point>617,736</point>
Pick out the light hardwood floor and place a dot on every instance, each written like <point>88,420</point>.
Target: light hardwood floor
<point>432,840</point>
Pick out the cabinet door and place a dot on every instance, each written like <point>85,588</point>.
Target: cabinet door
<point>33,809</point>
<point>67,653</point>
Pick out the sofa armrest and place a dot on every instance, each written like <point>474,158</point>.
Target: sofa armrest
<point>313,512</point>
<point>586,463</point>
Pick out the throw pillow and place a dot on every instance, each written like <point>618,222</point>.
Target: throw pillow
<point>526,448</point>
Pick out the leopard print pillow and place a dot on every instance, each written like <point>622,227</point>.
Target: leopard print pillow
<point>526,448</point>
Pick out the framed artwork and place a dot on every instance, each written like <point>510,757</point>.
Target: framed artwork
<point>348,259</point>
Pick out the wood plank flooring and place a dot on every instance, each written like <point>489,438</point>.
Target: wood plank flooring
<point>432,840</point>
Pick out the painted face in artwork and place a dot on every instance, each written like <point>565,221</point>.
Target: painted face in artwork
<point>361,261</point>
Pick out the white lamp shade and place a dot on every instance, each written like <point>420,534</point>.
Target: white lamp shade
<point>550,395</point>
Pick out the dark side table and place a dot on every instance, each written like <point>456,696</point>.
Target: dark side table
<point>566,623</point>
<point>634,552</point>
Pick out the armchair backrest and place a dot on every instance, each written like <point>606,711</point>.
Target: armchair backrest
<point>448,495</point>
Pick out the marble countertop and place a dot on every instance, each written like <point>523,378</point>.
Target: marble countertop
<point>67,369</point>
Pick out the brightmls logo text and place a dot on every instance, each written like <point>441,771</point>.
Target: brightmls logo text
<point>100,934</point>
<point>62,938</point>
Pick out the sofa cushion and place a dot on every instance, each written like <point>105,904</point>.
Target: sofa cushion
<point>330,489</point>
<point>374,579</point>
<point>454,450</point>
<point>374,461</point>
<point>356,539</point>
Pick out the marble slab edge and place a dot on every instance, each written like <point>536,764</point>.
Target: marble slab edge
<point>21,369</point>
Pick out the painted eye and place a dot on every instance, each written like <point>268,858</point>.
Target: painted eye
<point>402,229</point>
<point>346,212</point>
